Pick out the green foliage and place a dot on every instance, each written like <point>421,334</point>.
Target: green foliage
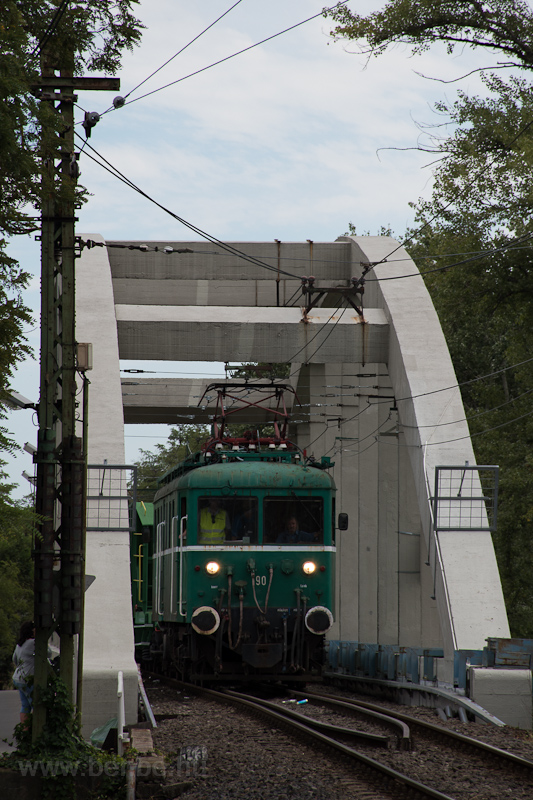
<point>384,230</point>
<point>16,575</point>
<point>62,746</point>
<point>479,219</point>
<point>14,316</point>
<point>483,180</point>
<point>182,440</point>
<point>89,35</point>
<point>503,26</point>
<point>261,371</point>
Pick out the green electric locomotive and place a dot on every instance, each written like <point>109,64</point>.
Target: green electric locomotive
<point>243,559</point>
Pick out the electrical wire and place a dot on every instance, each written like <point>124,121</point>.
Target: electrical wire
<point>481,255</point>
<point>325,261</point>
<point>387,399</point>
<point>181,51</point>
<point>471,416</point>
<point>319,331</point>
<point>470,435</point>
<point>375,433</point>
<point>455,386</point>
<point>233,55</point>
<point>467,383</point>
<point>229,248</point>
<point>56,19</point>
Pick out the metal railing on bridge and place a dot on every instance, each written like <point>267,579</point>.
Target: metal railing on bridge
<point>111,497</point>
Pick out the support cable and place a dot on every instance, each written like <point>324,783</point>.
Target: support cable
<point>233,55</point>
<point>225,246</point>
<point>56,19</point>
<point>179,52</point>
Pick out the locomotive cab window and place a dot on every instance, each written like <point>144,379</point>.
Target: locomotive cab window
<point>293,521</point>
<point>227,520</point>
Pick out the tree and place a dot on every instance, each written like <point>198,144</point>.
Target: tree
<point>473,241</point>
<point>14,317</point>
<point>474,244</point>
<point>97,32</point>
<point>503,26</point>
<point>182,440</point>
<point>16,574</point>
<point>261,371</point>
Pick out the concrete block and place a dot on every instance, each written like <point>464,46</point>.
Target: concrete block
<point>506,693</point>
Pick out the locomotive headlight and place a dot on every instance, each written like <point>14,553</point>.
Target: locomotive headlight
<point>309,567</point>
<point>212,568</point>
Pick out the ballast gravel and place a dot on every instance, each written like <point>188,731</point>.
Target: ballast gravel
<point>218,752</point>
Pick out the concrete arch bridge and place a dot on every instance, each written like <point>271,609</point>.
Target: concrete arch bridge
<point>378,391</point>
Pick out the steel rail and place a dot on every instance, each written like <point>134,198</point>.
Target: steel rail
<point>302,727</point>
<point>476,744</point>
<point>381,714</point>
<point>375,738</point>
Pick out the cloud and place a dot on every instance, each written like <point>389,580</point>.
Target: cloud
<point>279,142</point>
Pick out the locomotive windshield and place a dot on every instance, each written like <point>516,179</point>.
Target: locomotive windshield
<point>293,521</point>
<point>227,520</point>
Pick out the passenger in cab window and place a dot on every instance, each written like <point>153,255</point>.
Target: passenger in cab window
<point>292,533</point>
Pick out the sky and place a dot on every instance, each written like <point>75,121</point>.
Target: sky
<point>291,140</point>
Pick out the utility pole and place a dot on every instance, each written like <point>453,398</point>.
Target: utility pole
<point>61,456</point>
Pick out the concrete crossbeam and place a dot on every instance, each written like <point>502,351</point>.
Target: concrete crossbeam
<point>154,278</point>
<point>178,292</point>
<point>328,260</point>
<point>250,334</point>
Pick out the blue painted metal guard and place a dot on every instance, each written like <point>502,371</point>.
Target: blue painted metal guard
<point>413,664</point>
<point>388,662</point>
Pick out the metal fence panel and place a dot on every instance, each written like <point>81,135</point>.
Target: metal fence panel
<point>111,497</point>
<point>465,498</point>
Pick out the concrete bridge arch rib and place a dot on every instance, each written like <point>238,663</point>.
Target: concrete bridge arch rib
<point>108,631</point>
<point>468,592</point>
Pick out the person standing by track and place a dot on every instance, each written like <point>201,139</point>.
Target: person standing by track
<point>24,661</point>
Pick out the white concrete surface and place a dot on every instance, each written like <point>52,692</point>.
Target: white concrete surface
<point>215,333</point>
<point>108,645</point>
<point>433,432</point>
<point>380,397</point>
<point>504,692</point>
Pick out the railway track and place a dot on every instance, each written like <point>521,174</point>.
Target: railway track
<point>381,779</point>
<point>448,737</point>
<point>379,752</point>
